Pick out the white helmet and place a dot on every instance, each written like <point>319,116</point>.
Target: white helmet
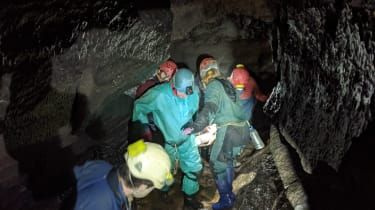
<point>149,161</point>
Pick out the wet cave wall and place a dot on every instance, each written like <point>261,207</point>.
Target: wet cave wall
<point>324,56</point>
<point>323,104</point>
<point>65,68</point>
<point>232,31</point>
<point>83,62</point>
<point>69,68</point>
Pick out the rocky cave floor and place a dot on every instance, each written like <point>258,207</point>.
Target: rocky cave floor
<point>257,186</point>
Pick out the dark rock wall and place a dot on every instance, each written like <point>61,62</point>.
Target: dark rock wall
<point>68,64</point>
<point>59,49</point>
<point>324,55</point>
<point>352,185</point>
<point>232,31</point>
<point>32,33</point>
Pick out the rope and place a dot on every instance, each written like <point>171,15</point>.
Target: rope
<point>175,168</point>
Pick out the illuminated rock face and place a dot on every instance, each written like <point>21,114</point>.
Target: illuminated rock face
<point>231,31</point>
<point>67,61</point>
<point>324,55</point>
<point>68,69</point>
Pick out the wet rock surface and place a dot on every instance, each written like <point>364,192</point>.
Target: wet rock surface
<point>324,54</point>
<point>49,70</point>
<point>57,83</point>
<point>69,64</point>
<point>220,29</point>
<point>264,190</point>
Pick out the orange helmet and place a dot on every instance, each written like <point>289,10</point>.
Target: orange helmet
<point>166,70</point>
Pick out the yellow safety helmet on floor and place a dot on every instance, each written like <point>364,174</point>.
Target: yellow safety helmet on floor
<point>149,161</point>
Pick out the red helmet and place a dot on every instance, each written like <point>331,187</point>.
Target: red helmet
<point>240,76</point>
<point>240,79</point>
<point>166,70</point>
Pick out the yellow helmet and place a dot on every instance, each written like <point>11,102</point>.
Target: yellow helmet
<point>149,161</point>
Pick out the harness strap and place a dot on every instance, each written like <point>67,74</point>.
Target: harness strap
<point>234,124</point>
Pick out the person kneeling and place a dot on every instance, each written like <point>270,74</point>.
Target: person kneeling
<point>101,186</point>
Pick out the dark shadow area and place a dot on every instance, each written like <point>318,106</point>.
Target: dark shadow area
<point>45,157</point>
<point>351,187</point>
<point>137,131</point>
<point>79,113</point>
<point>357,171</point>
<point>145,4</point>
<point>31,133</point>
<point>183,65</point>
<point>48,167</point>
<point>266,82</point>
<point>35,113</point>
<point>108,127</point>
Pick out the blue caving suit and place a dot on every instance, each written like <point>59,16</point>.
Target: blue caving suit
<point>98,187</point>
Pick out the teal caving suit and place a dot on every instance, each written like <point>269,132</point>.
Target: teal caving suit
<point>223,108</point>
<point>170,113</point>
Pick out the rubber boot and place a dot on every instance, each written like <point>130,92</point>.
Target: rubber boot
<point>190,202</point>
<point>230,178</point>
<point>225,190</point>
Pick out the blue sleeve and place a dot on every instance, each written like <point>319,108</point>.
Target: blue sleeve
<point>96,197</point>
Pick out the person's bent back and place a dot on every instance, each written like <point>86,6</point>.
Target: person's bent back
<point>100,186</point>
